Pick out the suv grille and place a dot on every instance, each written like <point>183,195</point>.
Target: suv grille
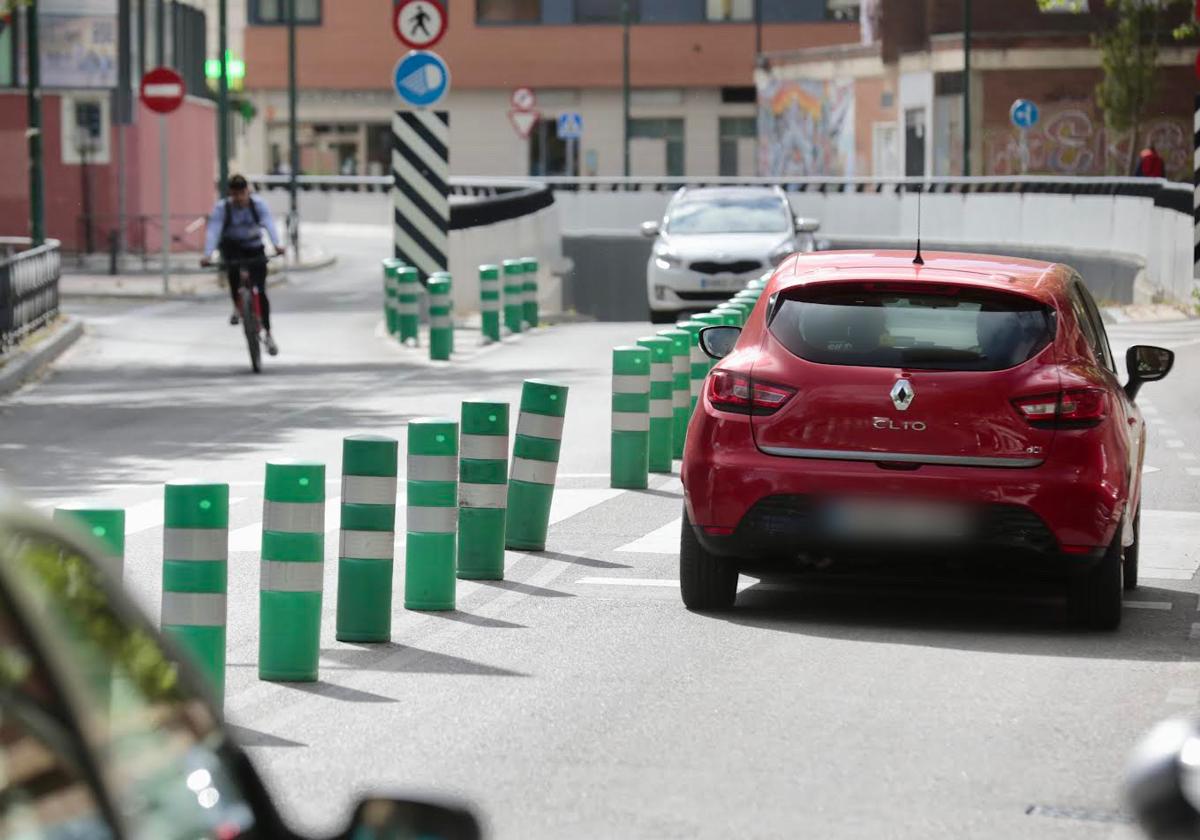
<point>710,294</point>
<point>735,267</point>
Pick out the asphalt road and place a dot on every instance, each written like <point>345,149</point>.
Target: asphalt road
<point>578,698</point>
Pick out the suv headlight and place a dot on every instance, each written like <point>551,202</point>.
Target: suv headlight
<point>782,253</point>
<point>666,260</point>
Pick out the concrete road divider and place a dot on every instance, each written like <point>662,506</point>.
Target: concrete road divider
<point>529,310</point>
<point>441,327</point>
<point>367,541</point>
<point>489,302</point>
<point>534,464</point>
<point>699,361</point>
<point>681,403</point>
<point>629,460</point>
<point>408,304</point>
<point>104,525</point>
<point>429,582</point>
<point>390,292</point>
<point>482,490</point>
<point>514,294</point>
<point>661,418</point>
<point>195,574</point>
<point>292,572</point>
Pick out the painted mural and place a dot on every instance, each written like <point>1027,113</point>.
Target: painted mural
<point>806,127</point>
<point>1071,139</point>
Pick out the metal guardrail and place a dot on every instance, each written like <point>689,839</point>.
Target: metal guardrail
<point>28,287</point>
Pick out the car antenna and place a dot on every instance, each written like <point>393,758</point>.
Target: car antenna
<point>918,260</point>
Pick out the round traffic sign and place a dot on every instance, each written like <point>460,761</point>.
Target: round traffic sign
<point>523,99</point>
<point>162,90</point>
<point>1023,113</point>
<point>419,24</point>
<point>421,78</point>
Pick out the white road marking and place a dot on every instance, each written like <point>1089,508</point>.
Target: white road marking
<point>1147,605</point>
<point>567,503</point>
<point>1193,470</point>
<point>1146,470</point>
<point>1186,456</point>
<point>1149,409</point>
<point>601,581</point>
<point>664,540</point>
<point>1184,696</point>
<point>1170,548</point>
<point>1167,431</point>
<point>1175,444</point>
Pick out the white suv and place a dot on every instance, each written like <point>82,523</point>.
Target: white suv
<point>712,240</point>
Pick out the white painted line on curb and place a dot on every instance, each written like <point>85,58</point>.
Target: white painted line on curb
<point>1147,605</point>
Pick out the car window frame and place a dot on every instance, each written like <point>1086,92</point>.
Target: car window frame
<point>1097,324</point>
<point>1084,320</point>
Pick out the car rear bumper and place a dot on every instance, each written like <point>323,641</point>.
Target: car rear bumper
<point>750,504</point>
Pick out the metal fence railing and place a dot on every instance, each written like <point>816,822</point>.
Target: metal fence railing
<point>28,287</point>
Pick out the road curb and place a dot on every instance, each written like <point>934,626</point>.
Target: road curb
<point>27,365</point>
<point>215,294</point>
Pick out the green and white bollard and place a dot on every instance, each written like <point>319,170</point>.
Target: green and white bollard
<point>293,571</point>
<point>441,326</point>
<point>629,462</point>
<point>661,418</point>
<point>534,464</point>
<point>432,514</point>
<point>367,544</point>
<point>482,490</point>
<point>699,361</point>
<point>731,317</point>
<point>681,403</point>
<point>514,294</point>
<point>106,527</point>
<point>408,304</point>
<point>709,319</point>
<point>390,290</point>
<point>195,574</point>
<point>489,302</point>
<point>530,289</point>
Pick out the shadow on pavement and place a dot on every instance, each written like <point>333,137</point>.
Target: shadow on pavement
<point>477,620</point>
<point>580,560</point>
<point>965,617</point>
<point>247,737</point>
<point>338,692</point>
<point>525,588</point>
<point>406,659</point>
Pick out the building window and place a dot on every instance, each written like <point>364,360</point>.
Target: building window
<point>656,147</point>
<point>730,9</point>
<point>508,11</point>
<point>843,10</point>
<point>275,12</point>
<point>738,144</point>
<point>603,11</point>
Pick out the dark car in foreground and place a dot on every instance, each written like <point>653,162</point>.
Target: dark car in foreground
<point>107,732</point>
<point>876,409</point>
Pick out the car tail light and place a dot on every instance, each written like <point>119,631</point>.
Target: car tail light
<point>729,391</point>
<point>1076,407</point>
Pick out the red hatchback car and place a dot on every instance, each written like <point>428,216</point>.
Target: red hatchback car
<point>877,411</point>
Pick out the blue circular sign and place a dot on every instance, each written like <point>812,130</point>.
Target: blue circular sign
<point>421,78</point>
<point>1023,113</point>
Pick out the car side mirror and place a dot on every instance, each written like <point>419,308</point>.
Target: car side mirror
<point>405,819</point>
<point>1161,780</point>
<point>1146,364</point>
<point>807,225</point>
<point>650,229</point>
<point>718,342</point>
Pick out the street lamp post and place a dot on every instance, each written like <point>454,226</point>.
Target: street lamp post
<point>294,149</point>
<point>223,97</point>
<point>966,170</point>
<point>625,83</point>
<point>33,94</point>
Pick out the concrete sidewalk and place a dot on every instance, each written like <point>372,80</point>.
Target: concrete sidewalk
<point>148,286</point>
<point>32,355</point>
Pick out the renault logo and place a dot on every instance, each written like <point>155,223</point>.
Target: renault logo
<point>902,394</point>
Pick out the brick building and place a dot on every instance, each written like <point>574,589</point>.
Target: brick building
<point>893,103</point>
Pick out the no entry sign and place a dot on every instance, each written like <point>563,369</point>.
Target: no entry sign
<point>162,90</point>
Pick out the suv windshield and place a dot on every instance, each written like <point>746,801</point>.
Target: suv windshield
<point>728,215</point>
<point>953,329</point>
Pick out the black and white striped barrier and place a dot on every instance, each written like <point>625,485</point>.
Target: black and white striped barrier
<point>421,193</point>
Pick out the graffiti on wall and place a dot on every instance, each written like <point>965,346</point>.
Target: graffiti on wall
<point>806,127</point>
<point>1071,139</point>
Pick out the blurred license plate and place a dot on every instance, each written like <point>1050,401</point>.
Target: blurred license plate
<point>898,519</point>
<point>719,282</point>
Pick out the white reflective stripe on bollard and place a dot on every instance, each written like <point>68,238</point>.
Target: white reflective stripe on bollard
<point>697,355</point>
<point>294,517</point>
<point>432,520</point>
<point>540,425</point>
<point>627,384</point>
<point>483,447</point>
<point>680,399</point>
<point>195,609</point>
<point>439,322</point>
<point>489,306</point>
<point>482,495</point>
<point>679,365</point>
<point>369,489</point>
<point>628,421</point>
<point>367,545</point>
<point>283,576</point>
<point>660,408</point>
<point>660,372</point>
<point>697,387</point>
<point>196,544</point>
<point>433,467</point>
<point>407,308</point>
<point>534,472</point>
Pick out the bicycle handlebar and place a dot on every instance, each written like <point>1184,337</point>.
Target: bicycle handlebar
<point>245,261</point>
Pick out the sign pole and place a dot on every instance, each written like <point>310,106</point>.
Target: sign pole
<point>164,171</point>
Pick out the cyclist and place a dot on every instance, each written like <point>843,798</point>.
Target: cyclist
<point>235,230</point>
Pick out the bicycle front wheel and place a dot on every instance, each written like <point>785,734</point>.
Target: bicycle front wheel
<point>250,324</point>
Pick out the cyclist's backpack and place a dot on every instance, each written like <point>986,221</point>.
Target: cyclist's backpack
<point>229,214</point>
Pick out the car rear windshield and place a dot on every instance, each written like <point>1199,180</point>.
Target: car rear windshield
<point>945,328</point>
<point>767,214</point>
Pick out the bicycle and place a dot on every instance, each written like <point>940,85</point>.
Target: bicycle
<point>250,305</point>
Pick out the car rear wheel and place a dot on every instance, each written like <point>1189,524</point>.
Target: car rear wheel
<point>1095,597</point>
<point>1131,553</point>
<point>660,316</point>
<point>707,582</point>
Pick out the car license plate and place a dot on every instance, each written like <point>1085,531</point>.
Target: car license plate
<point>718,283</point>
<point>895,519</point>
